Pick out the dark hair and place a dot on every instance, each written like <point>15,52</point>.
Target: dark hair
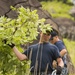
<point>53,34</point>
<point>47,31</point>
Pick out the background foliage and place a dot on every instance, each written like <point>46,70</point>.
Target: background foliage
<point>71,48</point>
<point>58,9</point>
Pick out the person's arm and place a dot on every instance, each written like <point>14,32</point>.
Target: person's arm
<point>19,55</point>
<point>61,47</point>
<point>60,62</point>
<point>59,66</point>
<point>63,52</point>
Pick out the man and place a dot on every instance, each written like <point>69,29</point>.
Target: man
<point>41,55</point>
<point>56,41</point>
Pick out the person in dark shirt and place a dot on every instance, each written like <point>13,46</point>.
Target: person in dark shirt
<point>41,55</point>
<point>62,49</point>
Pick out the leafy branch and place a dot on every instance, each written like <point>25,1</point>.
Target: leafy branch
<point>24,28</point>
<point>21,30</point>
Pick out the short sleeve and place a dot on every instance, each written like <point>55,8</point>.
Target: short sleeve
<point>56,53</point>
<point>27,52</point>
<point>60,45</point>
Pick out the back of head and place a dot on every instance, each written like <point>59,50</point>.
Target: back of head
<point>53,34</point>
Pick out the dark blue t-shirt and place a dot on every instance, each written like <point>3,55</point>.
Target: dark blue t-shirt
<point>61,46</point>
<point>42,56</point>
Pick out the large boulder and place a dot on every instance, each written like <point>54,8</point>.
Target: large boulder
<point>66,27</point>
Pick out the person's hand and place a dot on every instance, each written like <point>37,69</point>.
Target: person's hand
<point>59,70</point>
<point>4,41</point>
<point>11,44</point>
<point>54,64</point>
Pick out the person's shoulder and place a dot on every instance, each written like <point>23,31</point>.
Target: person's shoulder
<point>59,42</point>
<point>53,46</point>
<point>34,45</point>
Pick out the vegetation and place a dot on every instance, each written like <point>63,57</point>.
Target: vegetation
<point>21,30</point>
<point>63,1</point>
<point>57,9</point>
<point>70,45</point>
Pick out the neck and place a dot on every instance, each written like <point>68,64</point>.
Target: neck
<point>57,39</point>
<point>43,41</point>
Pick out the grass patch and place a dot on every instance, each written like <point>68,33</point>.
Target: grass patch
<point>71,49</point>
<point>57,9</point>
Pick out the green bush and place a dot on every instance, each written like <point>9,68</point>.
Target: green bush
<point>20,30</point>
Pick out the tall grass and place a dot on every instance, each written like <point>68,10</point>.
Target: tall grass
<point>57,9</point>
<point>71,49</point>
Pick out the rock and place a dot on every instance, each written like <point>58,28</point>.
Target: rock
<point>66,27</point>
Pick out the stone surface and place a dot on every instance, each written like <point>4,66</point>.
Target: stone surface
<point>66,27</point>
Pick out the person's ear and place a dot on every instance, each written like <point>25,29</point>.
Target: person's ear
<point>56,36</point>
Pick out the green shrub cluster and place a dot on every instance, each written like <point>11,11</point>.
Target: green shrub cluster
<point>20,30</point>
